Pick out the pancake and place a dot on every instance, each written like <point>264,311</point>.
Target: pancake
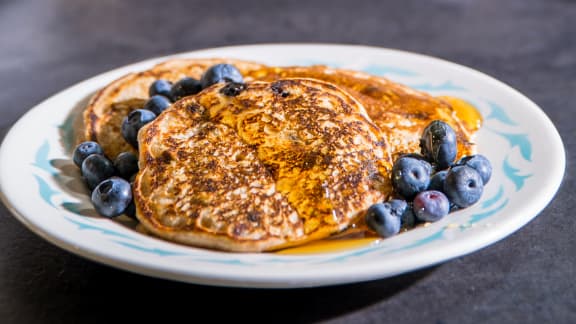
<point>260,166</point>
<point>401,112</point>
<point>104,113</point>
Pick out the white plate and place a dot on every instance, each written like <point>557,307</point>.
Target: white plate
<point>40,184</point>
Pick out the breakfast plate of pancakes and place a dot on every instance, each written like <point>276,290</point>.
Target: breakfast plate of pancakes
<point>327,86</point>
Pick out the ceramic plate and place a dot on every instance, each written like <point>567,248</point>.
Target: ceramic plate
<point>41,186</point>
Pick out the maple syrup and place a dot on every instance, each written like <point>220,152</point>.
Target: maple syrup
<point>358,236</point>
<point>466,112</point>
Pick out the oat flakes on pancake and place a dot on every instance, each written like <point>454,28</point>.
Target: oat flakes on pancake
<point>278,164</point>
<point>401,112</point>
<point>106,109</point>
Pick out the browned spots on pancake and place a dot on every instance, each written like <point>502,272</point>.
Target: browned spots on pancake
<point>254,216</point>
<point>195,108</point>
<point>264,166</point>
<point>93,119</point>
<point>277,89</point>
<point>152,131</point>
<point>100,109</point>
<point>165,158</point>
<point>387,103</point>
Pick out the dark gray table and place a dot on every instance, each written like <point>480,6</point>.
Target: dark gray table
<point>530,277</point>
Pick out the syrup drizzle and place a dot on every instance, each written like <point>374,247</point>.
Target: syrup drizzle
<point>358,235</point>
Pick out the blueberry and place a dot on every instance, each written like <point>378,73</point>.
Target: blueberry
<point>126,164</point>
<point>160,87</point>
<point>421,158</point>
<point>83,150</point>
<point>398,206</point>
<point>408,219</point>
<point>410,176</point>
<point>382,220</point>
<point>232,89</point>
<point>112,197</point>
<point>479,163</point>
<point>185,87</point>
<point>157,104</point>
<point>403,210</point>
<point>221,73</point>
<point>437,181</point>
<point>130,211</point>
<point>431,205</point>
<point>438,144</point>
<point>133,122</point>
<point>463,186</point>
<point>95,169</point>
<point>415,155</point>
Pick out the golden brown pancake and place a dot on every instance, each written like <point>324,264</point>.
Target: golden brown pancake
<point>104,114</point>
<point>401,113</point>
<point>277,164</point>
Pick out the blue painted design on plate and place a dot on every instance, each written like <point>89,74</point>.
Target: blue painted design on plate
<point>519,140</point>
<point>72,207</point>
<point>383,70</point>
<point>494,199</point>
<point>156,251</point>
<point>41,159</point>
<point>45,190</point>
<point>382,249</point>
<point>436,236</point>
<point>498,113</point>
<point>481,216</point>
<point>84,226</point>
<point>446,86</point>
<point>512,174</point>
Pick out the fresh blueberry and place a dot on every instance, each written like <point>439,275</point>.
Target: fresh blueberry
<point>83,150</point>
<point>463,186</point>
<point>130,211</point>
<point>126,164</point>
<point>157,104</point>
<point>479,163</point>
<point>408,219</point>
<point>96,168</point>
<point>417,156</point>
<point>112,197</point>
<point>410,176</point>
<point>160,87</point>
<point>437,181</point>
<point>232,89</point>
<point>398,206</point>
<point>421,158</point>
<point>382,220</point>
<point>403,210</point>
<point>133,122</point>
<point>185,87</point>
<point>438,144</point>
<point>431,205</point>
<point>221,73</point>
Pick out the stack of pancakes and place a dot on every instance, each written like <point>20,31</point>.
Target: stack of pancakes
<point>298,155</point>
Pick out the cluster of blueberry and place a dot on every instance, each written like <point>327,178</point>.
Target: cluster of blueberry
<point>430,183</point>
<point>109,180</point>
<point>163,93</point>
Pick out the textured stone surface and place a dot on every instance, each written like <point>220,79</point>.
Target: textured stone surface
<point>47,45</point>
